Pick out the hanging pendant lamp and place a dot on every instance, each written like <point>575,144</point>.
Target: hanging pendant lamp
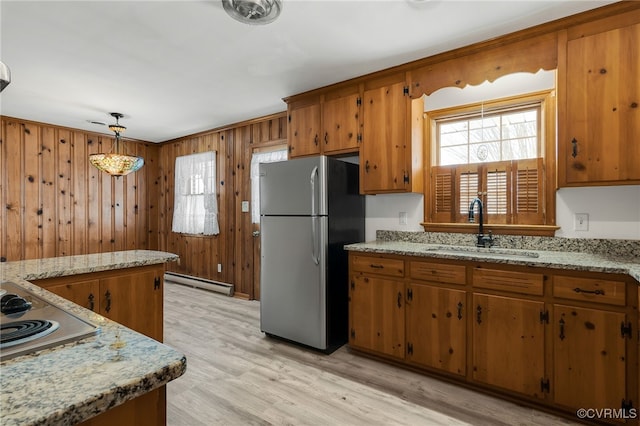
<point>116,162</point>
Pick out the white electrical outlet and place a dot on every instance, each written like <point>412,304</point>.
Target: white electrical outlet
<point>219,267</point>
<point>245,207</point>
<point>581,222</point>
<point>402,218</point>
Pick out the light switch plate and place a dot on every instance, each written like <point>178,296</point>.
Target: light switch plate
<point>245,207</point>
<point>581,222</point>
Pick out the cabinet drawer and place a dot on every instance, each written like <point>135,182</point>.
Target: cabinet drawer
<point>515,282</point>
<point>378,265</point>
<point>439,272</point>
<point>589,290</point>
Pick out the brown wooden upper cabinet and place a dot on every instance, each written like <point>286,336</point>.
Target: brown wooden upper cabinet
<point>375,119</point>
<point>341,123</point>
<point>391,158</point>
<point>327,124</point>
<point>304,130</point>
<point>599,145</point>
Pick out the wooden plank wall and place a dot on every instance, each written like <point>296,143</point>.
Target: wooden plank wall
<point>55,203</point>
<point>233,248</point>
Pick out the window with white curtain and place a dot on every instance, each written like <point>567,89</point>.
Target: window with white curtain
<point>196,206</point>
<point>256,159</point>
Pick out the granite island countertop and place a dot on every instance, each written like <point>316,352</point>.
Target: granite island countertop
<point>70,383</point>
<point>591,262</point>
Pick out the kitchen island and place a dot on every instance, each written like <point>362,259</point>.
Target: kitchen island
<point>71,383</point>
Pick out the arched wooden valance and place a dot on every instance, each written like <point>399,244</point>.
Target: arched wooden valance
<point>529,55</point>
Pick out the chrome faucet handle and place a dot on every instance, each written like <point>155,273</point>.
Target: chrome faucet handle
<point>486,241</point>
<point>489,241</point>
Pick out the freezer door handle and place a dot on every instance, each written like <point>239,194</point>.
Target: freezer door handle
<point>315,256</point>
<point>314,174</point>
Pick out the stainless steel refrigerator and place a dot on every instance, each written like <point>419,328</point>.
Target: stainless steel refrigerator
<point>309,209</point>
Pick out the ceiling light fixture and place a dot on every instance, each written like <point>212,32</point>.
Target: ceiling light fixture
<point>116,163</point>
<point>253,12</point>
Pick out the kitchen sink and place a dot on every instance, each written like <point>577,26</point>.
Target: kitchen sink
<point>485,252</point>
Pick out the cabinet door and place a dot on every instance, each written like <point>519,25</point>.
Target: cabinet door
<point>589,357</point>
<point>508,343</point>
<point>603,107</point>
<point>135,301</point>
<point>341,124</point>
<point>304,130</point>
<point>376,315</point>
<point>384,140</point>
<point>83,293</point>
<point>149,409</point>
<point>436,327</point>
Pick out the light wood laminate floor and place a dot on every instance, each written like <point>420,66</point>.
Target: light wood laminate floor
<point>238,376</point>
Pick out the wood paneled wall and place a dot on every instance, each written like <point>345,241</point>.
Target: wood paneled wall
<point>55,203</point>
<point>233,247</point>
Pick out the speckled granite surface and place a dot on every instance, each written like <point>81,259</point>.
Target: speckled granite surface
<point>75,265</point>
<point>73,382</point>
<point>610,256</point>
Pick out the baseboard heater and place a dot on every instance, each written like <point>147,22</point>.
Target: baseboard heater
<point>198,282</point>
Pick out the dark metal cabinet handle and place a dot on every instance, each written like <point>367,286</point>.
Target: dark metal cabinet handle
<point>315,140</point>
<point>326,138</point>
<point>459,310</point>
<point>561,329</point>
<point>366,166</point>
<point>107,295</point>
<point>596,292</point>
<point>376,266</point>
<point>479,314</point>
<point>399,300</point>
<point>574,152</point>
<point>156,283</point>
<point>91,301</point>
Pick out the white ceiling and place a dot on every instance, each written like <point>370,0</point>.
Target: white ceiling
<point>175,68</point>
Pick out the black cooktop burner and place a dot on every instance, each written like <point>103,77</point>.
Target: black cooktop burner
<point>16,332</point>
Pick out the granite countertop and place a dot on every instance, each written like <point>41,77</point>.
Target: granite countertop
<point>592,262</point>
<point>70,383</point>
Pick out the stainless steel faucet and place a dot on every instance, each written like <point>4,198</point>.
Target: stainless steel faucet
<point>483,241</point>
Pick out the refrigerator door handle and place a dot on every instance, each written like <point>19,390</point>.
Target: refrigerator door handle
<point>314,218</point>
<point>315,256</point>
<point>314,174</point>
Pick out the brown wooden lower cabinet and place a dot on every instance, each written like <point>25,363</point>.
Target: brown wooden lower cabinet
<point>589,357</point>
<point>554,338</point>
<point>132,297</point>
<point>437,327</point>
<point>146,410</point>
<point>377,315</point>
<point>508,343</point>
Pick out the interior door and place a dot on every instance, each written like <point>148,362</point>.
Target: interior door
<point>251,246</point>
